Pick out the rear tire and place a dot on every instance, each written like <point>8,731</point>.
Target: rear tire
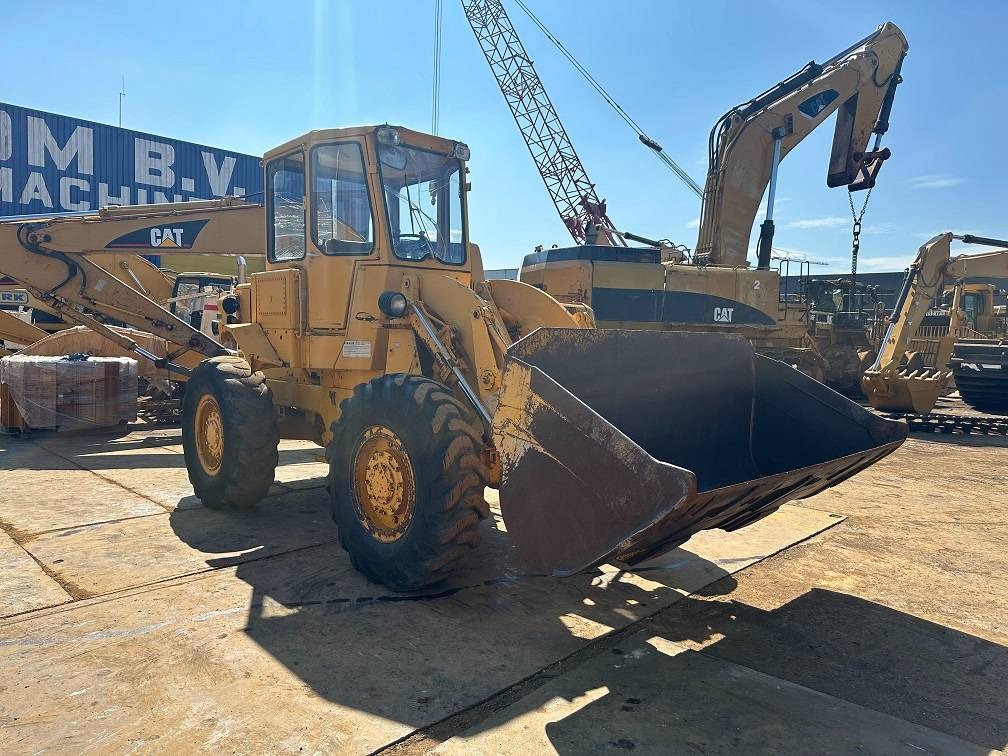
<point>406,480</point>
<point>229,433</point>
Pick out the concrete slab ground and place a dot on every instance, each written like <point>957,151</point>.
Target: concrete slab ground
<point>659,697</point>
<point>24,585</point>
<point>137,620</point>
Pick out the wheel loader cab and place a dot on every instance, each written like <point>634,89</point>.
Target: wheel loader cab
<point>360,208</point>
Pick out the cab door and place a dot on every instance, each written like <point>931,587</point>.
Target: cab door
<point>341,229</point>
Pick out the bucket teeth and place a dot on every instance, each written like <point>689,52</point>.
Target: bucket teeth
<point>907,391</point>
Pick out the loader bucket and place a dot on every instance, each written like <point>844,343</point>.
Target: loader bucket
<point>622,444</point>
<point>906,391</point>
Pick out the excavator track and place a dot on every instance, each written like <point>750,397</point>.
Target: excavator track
<point>941,422</point>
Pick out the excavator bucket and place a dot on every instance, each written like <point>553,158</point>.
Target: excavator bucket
<point>622,444</point>
<point>906,391</point>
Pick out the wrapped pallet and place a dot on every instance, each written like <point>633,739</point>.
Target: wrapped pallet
<point>70,393</point>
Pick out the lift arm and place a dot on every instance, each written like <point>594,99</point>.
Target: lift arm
<point>49,257</point>
<point>748,141</point>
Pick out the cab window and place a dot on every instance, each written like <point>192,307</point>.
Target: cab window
<point>285,178</point>
<point>423,196</point>
<point>973,304</point>
<point>341,209</point>
<point>192,294</point>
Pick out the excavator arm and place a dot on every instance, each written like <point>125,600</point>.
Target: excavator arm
<point>18,331</point>
<point>49,256</point>
<point>747,143</point>
<point>889,384</point>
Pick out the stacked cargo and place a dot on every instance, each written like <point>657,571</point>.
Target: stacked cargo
<point>68,393</point>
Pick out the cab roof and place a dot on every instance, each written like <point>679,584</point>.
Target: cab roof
<point>408,136</point>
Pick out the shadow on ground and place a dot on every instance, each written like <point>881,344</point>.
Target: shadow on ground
<point>855,650</point>
<point>106,452</point>
<point>415,658</point>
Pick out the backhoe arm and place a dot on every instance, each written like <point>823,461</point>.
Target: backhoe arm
<point>50,257</point>
<point>747,142</point>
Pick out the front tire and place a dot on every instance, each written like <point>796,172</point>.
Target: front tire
<point>406,480</point>
<point>229,433</point>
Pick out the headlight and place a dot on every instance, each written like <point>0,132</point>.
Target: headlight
<point>461,151</point>
<point>388,135</point>
<point>392,303</point>
<point>229,304</point>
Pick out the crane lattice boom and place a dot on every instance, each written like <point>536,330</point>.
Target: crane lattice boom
<point>561,169</point>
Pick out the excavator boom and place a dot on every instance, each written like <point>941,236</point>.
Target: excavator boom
<point>50,257</point>
<point>18,331</point>
<point>748,141</point>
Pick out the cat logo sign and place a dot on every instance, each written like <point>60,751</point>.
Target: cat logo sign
<point>723,314</point>
<point>166,237</point>
<point>181,235</point>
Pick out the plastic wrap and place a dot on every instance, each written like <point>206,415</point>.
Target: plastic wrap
<point>71,394</point>
<point>84,340</point>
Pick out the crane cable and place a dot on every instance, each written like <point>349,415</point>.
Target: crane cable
<point>436,87</point>
<point>648,142</point>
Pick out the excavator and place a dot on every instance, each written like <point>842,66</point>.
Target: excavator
<point>899,382</point>
<point>658,286</point>
<point>191,295</point>
<point>374,333</point>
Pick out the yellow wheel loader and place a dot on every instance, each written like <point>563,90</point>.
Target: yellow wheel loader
<point>374,333</point>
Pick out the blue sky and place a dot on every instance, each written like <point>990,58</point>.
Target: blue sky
<point>249,76</point>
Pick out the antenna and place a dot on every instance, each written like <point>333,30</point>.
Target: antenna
<point>436,89</point>
<point>122,93</point>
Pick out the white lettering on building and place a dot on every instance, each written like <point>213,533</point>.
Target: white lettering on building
<point>35,189</point>
<point>79,145</point>
<point>152,162</point>
<point>6,135</point>
<point>105,198</point>
<point>6,185</point>
<point>67,202</point>
<point>219,177</point>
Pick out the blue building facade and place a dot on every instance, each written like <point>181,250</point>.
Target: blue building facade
<point>51,163</point>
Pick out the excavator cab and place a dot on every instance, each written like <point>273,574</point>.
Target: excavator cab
<point>194,299</point>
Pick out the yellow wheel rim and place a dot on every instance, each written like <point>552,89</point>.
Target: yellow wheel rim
<point>209,434</point>
<point>383,484</point>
